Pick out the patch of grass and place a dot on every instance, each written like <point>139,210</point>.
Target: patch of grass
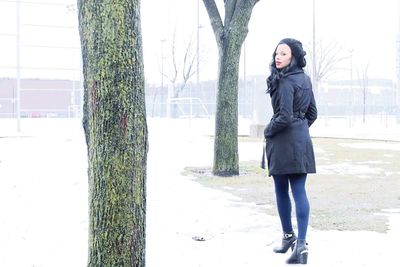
<point>340,198</point>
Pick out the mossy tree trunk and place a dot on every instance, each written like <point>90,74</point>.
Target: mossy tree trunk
<point>116,130</point>
<point>230,36</point>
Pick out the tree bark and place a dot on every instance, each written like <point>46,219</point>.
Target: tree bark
<point>116,130</point>
<point>229,36</point>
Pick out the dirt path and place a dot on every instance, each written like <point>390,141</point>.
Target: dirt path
<point>356,181</point>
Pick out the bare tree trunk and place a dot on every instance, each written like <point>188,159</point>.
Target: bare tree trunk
<point>229,36</point>
<point>116,130</point>
<point>226,156</point>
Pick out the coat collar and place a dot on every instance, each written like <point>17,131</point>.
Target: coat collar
<point>292,72</point>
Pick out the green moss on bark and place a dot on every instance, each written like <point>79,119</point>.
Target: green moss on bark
<point>116,131</point>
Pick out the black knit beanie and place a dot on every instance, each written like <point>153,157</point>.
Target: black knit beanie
<point>297,50</point>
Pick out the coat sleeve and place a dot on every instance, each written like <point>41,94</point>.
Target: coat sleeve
<point>284,116</point>
<point>311,113</point>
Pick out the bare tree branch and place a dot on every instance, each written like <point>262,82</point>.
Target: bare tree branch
<point>230,6</point>
<point>364,86</point>
<point>326,58</point>
<point>183,65</point>
<point>174,75</point>
<point>215,19</point>
<point>187,69</point>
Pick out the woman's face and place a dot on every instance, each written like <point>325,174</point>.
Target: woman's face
<point>283,56</point>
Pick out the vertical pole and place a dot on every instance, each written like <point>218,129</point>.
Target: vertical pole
<point>398,67</point>
<point>18,65</point>
<point>353,104</point>
<point>244,64</point>
<point>73,109</point>
<point>245,102</point>
<point>198,44</point>
<point>314,67</point>
<point>197,61</point>
<point>162,75</point>
<point>191,112</point>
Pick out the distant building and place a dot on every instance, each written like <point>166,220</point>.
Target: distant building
<point>372,96</point>
<point>63,98</point>
<point>41,98</point>
<point>203,97</point>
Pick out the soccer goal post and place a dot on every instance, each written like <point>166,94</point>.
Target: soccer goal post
<point>186,107</point>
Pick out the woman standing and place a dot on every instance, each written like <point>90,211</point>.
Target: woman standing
<point>289,147</point>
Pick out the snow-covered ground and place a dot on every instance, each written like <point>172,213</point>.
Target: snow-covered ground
<point>43,202</point>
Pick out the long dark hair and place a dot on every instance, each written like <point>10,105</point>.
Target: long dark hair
<point>297,63</point>
<point>277,74</point>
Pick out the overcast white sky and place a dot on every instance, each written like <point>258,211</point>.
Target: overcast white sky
<point>51,52</point>
<point>368,27</point>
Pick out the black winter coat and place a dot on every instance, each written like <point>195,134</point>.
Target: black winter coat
<point>289,147</point>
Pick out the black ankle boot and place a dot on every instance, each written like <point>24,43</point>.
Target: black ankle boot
<point>300,253</point>
<point>287,242</point>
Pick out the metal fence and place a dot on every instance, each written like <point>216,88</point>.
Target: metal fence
<point>39,40</point>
